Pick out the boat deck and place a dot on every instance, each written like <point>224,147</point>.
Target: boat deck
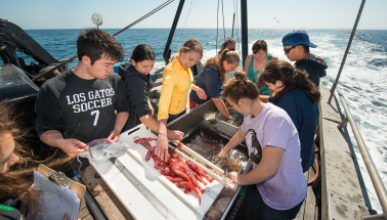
<point>309,209</point>
<point>84,213</point>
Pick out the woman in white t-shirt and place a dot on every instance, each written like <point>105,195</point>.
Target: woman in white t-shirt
<point>278,183</point>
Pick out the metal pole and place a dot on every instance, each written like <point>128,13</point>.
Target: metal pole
<point>371,168</point>
<point>244,27</point>
<point>167,51</point>
<point>346,51</point>
<point>233,23</point>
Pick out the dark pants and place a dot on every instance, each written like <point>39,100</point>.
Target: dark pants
<point>173,117</point>
<point>259,210</point>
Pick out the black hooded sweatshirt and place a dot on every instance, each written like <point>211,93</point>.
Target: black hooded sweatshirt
<point>137,87</point>
<point>314,66</point>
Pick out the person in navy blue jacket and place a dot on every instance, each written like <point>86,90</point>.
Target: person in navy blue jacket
<point>212,77</point>
<point>294,92</point>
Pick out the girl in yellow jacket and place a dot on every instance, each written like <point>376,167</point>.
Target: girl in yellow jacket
<point>177,81</point>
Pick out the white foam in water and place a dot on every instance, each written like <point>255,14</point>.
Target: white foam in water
<point>363,89</point>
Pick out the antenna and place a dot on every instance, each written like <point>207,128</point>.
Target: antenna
<point>97,19</point>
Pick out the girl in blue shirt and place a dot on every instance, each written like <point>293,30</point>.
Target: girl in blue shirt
<point>299,97</point>
<point>212,77</point>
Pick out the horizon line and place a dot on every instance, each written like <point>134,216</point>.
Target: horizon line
<point>206,28</point>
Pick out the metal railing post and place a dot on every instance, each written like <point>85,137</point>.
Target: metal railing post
<point>346,50</point>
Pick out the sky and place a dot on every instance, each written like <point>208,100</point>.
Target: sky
<point>275,14</point>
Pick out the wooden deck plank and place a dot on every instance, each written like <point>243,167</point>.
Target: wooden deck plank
<point>84,212</point>
<point>300,214</point>
<point>107,201</point>
<point>310,201</point>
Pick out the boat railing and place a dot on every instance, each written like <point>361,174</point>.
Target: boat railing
<point>371,168</point>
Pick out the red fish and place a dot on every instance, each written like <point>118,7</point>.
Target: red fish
<point>198,170</point>
<point>189,185</point>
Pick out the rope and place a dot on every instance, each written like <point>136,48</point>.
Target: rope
<point>317,170</point>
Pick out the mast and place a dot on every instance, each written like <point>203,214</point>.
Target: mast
<point>244,26</point>
<point>167,50</point>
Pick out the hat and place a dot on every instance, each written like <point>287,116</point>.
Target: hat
<point>297,37</point>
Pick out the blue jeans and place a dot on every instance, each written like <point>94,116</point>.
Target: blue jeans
<point>173,117</point>
<point>259,210</point>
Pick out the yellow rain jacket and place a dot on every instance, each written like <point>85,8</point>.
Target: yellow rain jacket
<point>177,81</point>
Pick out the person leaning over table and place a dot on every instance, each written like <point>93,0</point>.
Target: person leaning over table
<point>87,102</point>
<point>177,81</point>
<point>299,97</point>
<point>277,183</point>
<point>137,83</point>
<point>212,78</point>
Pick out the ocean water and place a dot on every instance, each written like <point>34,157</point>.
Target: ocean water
<point>363,80</point>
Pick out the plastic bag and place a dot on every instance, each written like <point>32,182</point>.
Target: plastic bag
<point>103,149</point>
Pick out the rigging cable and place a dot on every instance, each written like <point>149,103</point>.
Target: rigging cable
<point>217,28</point>
<point>224,30</point>
<point>123,29</point>
<point>191,7</point>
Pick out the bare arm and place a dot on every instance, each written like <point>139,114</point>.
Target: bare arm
<point>247,64</point>
<point>264,98</point>
<point>201,93</point>
<point>121,119</point>
<point>235,140</point>
<point>151,123</point>
<point>72,147</point>
<point>271,159</point>
<point>221,107</point>
<point>162,142</point>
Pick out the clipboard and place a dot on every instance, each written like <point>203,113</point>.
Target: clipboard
<point>58,195</point>
<point>61,179</point>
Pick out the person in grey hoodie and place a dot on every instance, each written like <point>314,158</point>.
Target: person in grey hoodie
<point>296,47</point>
<point>137,83</point>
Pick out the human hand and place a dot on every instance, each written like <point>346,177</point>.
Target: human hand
<point>161,149</point>
<point>201,93</point>
<point>72,147</point>
<point>222,154</point>
<point>114,135</point>
<point>229,118</point>
<point>175,135</point>
<point>234,176</point>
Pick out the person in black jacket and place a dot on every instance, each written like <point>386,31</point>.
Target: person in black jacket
<point>296,47</point>
<point>137,83</point>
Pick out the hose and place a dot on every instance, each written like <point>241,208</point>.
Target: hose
<point>317,170</point>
